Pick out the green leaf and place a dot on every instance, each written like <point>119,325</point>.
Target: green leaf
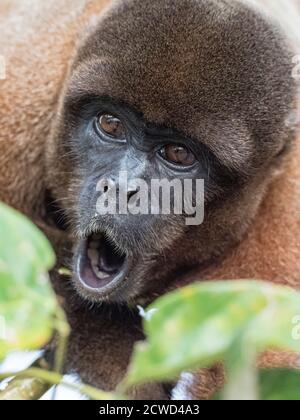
<point>205,323</point>
<point>280,385</point>
<point>27,303</point>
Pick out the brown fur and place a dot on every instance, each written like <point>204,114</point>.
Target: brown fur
<point>270,251</point>
<point>206,93</point>
<point>101,347</point>
<point>28,96</point>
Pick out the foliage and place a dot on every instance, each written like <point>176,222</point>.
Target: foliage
<point>27,303</point>
<point>205,323</point>
<point>230,322</point>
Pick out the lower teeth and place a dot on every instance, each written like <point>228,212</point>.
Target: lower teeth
<point>93,254</point>
<point>100,274</point>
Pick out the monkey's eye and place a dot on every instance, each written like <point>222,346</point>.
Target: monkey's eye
<point>177,154</point>
<point>111,126</point>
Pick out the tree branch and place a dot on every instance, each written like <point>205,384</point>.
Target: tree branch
<point>24,389</point>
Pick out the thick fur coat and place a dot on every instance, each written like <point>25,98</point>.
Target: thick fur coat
<point>39,41</point>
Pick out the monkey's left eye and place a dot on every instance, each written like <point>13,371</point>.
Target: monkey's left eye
<point>111,126</point>
<point>177,154</point>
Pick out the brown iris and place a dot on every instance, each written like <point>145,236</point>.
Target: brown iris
<point>111,126</point>
<point>180,155</point>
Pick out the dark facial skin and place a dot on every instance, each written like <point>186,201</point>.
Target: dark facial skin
<point>152,94</point>
<point>108,138</point>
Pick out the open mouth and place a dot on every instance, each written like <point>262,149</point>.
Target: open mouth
<point>101,266</point>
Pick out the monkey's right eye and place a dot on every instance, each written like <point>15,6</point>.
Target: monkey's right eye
<point>111,126</point>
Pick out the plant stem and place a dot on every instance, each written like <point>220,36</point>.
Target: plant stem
<point>242,380</point>
<point>54,378</point>
<point>24,390</point>
<point>63,331</point>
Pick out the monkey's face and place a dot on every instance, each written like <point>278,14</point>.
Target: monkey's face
<point>176,90</point>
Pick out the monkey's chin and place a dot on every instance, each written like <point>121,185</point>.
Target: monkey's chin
<point>101,268</point>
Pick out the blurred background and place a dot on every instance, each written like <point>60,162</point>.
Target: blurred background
<point>287,11</point>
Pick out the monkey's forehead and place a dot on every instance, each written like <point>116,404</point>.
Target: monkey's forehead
<point>187,57</point>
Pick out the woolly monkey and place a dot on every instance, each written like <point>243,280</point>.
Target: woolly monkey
<point>175,89</point>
